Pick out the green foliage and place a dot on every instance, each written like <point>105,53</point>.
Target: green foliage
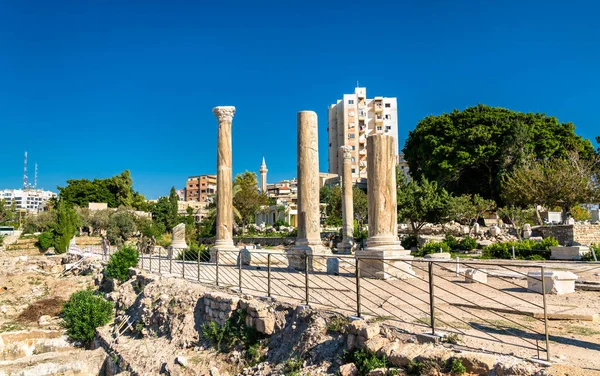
<point>149,228</point>
<point>292,367</point>
<point>365,361</point>
<point>255,354</point>
<point>421,202</point>
<point>115,191</point>
<point>7,213</point>
<point>467,244</point>
<point>247,200</point>
<point>164,240</point>
<point>121,226</point>
<point>65,227</point>
<point>359,234</point>
<point>83,313</point>
<point>579,213</point>
<point>120,262</point>
<point>457,367</point>
<point>195,252</point>
<point>45,240</point>
<point>409,241</point>
<point>337,324</point>
<point>469,151</point>
<point>278,223</point>
<point>516,215</point>
<point>332,196</point>
<point>524,249</point>
<point>2,239</point>
<point>416,368</point>
<point>590,257</point>
<point>42,222</point>
<point>231,334</point>
<point>466,208</point>
<point>432,247</point>
<point>451,241</point>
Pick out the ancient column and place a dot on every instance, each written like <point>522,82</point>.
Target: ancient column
<point>224,240</point>
<point>383,256</point>
<point>347,244</point>
<point>308,241</point>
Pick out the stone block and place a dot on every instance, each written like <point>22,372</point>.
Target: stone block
<point>438,255</point>
<point>477,363</point>
<point>375,344</point>
<point>556,282</point>
<point>265,325</point>
<point>406,354</point>
<point>351,342</point>
<point>568,253</point>
<point>348,370</point>
<point>595,215</point>
<point>476,276</point>
<point>369,331</point>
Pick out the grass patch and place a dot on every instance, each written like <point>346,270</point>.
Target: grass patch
<point>11,327</point>
<point>337,324</point>
<point>582,331</point>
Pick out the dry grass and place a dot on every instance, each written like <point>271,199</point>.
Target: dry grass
<point>51,307</point>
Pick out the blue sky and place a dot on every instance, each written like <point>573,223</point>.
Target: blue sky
<point>91,88</point>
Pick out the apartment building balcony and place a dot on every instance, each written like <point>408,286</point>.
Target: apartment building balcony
<point>362,152</point>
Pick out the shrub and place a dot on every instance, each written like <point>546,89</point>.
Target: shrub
<point>164,240</point>
<point>525,249</point>
<point>366,361</point>
<point>337,324</point>
<point>432,247</point>
<point>280,222</point>
<point>45,240</point>
<point>120,262</point>
<point>457,367</point>
<point>468,244</point>
<point>83,313</point>
<point>451,241</point>
<point>594,248</point>
<point>233,333</point>
<point>409,241</point>
<point>292,367</point>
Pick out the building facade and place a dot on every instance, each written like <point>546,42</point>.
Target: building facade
<point>32,200</point>
<point>403,166</point>
<point>200,188</point>
<point>351,120</point>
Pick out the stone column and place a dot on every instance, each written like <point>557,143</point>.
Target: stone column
<point>308,241</point>
<point>347,245</point>
<point>224,240</point>
<point>383,256</point>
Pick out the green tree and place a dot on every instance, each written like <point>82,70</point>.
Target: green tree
<point>361,206</point>
<point>517,216</point>
<point>469,151</point>
<point>7,213</point>
<point>99,220</point>
<point>421,202</point>
<point>247,200</point>
<point>121,226</point>
<point>173,209</point>
<point>555,182</point>
<point>65,226</point>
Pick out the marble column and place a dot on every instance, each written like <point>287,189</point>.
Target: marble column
<point>308,241</point>
<point>347,245</point>
<point>383,256</point>
<point>224,240</point>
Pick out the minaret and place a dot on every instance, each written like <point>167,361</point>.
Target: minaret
<point>263,177</point>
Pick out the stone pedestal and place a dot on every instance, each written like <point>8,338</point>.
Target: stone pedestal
<point>347,246</point>
<point>178,239</point>
<point>476,276</point>
<point>527,231</point>
<point>308,244</point>
<point>224,239</point>
<point>557,282</point>
<point>569,253</point>
<point>383,256</point>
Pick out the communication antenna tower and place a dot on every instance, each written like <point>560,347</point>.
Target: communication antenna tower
<point>25,172</point>
<point>35,178</point>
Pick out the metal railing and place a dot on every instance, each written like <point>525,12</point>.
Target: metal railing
<point>502,315</point>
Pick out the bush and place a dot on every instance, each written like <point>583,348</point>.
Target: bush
<point>409,241</point>
<point>194,252</point>
<point>164,240</point>
<point>292,367</point>
<point>45,240</point>
<point>524,250</point>
<point>432,247</point>
<point>83,313</point>
<point>366,361</point>
<point>468,244</point>
<point>233,333</point>
<point>594,248</point>
<point>120,262</point>
<point>451,241</point>
<point>457,367</point>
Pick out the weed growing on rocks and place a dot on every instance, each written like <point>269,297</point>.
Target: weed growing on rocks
<point>292,367</point>
<point>365,361</point>
<point>337,324</point>
<point>457,367</point>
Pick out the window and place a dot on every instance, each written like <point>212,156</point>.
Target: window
<point>388,105</point>
<point>378,117</point>
<point>351,135</point>
<point>350,113</point>
<point>354,171</point>
<point>387,116</point>
<point>388,127</point>
<point>350,101</point>
<point>379,127</point>
<point>351,124</point>
<point>353,147</point>
<point>353,159</point>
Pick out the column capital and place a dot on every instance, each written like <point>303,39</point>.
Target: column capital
<point>346,151</point>
<point>224,113</point>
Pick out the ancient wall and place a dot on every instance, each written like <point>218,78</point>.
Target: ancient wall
<point>584,234</point>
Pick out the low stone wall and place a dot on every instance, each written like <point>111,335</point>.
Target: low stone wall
<point>584,234</point>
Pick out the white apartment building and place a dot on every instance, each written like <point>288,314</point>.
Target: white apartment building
<point>32,200</point>
<point>351,120</point>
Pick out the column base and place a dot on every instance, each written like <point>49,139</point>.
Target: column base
<point>385,263</point>
<point>228,253</point>
<point>347,247</point>
<point>296,257</point>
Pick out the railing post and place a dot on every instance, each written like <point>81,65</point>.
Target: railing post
<point>159,262</point>
<point>431,299</point>
<point>240,270</point>
<point>183,255</point>
<point>198,271</point>
<point>357,287</point>
<point>269,275</point>
<point>545,314</point>
<point>217,266</point>
<point>170,261</point>
<point>306,287</point>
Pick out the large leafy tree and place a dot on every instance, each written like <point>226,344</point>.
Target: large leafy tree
<point>247,200</point>
<point>115,191</point>
<point>7,212</point>
<point>420,202</point>
<point>469,151</point>
<point>164,211</point>
<point>563,182</point>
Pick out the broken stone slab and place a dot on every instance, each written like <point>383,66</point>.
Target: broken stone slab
<point>477,363</point>
<point>569,253</point>
<point>476,276</point>
<point>439,255</point>
<point>556,282</point>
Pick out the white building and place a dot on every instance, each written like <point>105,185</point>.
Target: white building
<point>32,200</point>
<point>351,120</point>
